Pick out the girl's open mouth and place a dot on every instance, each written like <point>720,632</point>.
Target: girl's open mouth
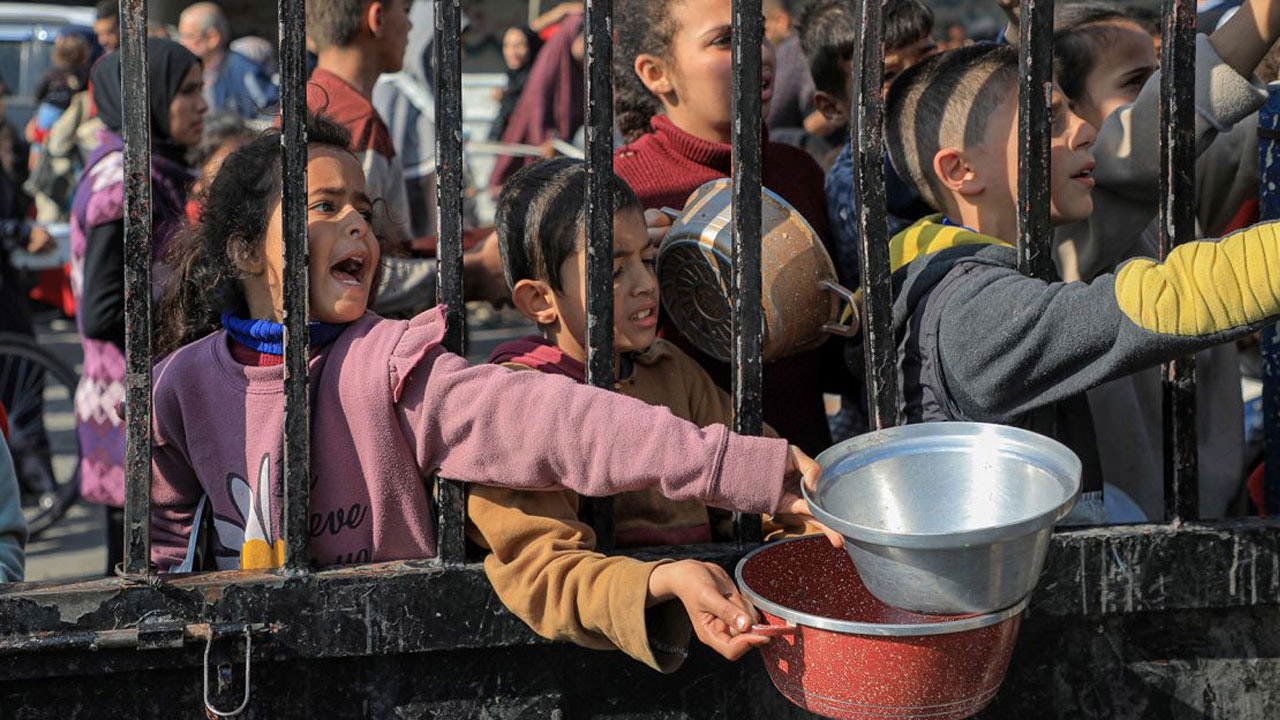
<point>349,271</point>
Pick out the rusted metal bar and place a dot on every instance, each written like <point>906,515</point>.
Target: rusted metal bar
<point>1269,209</point>
<point>867,146</point>
<point>297,335</point>
<point>173,635</point>
<point>599,127</point>
<point>1035,95</point>
<point>397,608</point>
<point>450,497</point>
<point>137,286</point>
<point>748,317</point>
<point>1177,226</point>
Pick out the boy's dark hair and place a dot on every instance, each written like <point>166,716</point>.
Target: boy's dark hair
<point>235,210</point>
<point>541,218</point>
<point>644,27</point>
<point>334,23</point>
<point>108,9</point>
<point>945,101</point>
<point>826,30</point>
<point>1082,33</point>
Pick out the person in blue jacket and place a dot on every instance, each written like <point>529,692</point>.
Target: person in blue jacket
<point>232,82</point>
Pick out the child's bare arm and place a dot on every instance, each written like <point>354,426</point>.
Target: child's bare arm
<point>545,569</point>
<point>720,615</point>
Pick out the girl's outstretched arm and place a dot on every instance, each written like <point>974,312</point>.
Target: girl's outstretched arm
<point>490,425</point>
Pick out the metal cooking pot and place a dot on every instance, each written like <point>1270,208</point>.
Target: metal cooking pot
<point>839,652</point>
<point>947,517</point>
<point>801,300</point>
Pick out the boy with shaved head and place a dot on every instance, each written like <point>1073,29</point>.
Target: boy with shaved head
<point>979,341</point>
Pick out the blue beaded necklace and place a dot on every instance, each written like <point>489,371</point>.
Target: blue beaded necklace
<point>268,337</point>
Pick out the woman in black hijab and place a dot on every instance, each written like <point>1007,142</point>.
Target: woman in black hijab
<point>520,46</point>
<point>176,111</point>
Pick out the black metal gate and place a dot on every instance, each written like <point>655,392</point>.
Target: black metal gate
<point>1154,621</point>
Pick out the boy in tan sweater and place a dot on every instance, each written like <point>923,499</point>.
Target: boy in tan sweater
<point>543,562</point>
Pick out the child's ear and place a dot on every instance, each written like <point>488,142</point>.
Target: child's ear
<point>533,299</point>
<point>248,262</point>
<point>832,108</point>
<point>953,171</point>
<point>373,17</point>
<point>653,73</point>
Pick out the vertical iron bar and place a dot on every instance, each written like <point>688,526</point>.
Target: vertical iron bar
<point>137,286</point>
<point>450,497</point>
<point>1177,226</point>
<point>297,335</point>
<point>1269,200</point>
<point>1035,94</point>
<point>867,146</point>
<point>748,318</point>
<point>599,127</point>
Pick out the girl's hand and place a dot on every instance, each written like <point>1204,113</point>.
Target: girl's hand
<point>802,468</point>
<point>721,617</point>
<point>659,224</point>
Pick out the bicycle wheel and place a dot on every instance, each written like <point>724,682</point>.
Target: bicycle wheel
<point>38,390</point>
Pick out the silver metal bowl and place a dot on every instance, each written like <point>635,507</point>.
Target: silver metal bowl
<point>947,518</point>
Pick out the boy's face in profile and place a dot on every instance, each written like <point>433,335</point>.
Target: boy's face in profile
<point>635,290</point>
<point>995,163</point>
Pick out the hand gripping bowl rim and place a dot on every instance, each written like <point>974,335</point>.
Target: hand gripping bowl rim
<point>956,433</point>
<point>853,627</point>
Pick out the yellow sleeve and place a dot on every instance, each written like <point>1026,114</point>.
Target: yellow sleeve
<point>1203,288</point>
<point>544,569</point>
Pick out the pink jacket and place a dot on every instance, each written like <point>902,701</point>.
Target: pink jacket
<point>400,408</point>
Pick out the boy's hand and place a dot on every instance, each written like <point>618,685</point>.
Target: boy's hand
<point>802,468</point>
<point>658,224</point>
<point>721,617</point>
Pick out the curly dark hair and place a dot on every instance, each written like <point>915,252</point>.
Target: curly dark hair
<point>205,260</point>
<point>644,27</point>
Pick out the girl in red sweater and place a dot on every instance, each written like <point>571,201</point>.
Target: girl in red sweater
<point>674,108</point>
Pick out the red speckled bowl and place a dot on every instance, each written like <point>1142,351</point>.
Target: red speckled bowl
<point>839,652</point>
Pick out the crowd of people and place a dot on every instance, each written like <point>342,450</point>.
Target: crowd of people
<point>976,339</point>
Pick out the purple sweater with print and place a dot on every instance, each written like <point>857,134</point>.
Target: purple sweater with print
<point>390,406</point>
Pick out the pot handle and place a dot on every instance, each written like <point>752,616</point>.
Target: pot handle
<point>842,328</point>
<point>773,630</point>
